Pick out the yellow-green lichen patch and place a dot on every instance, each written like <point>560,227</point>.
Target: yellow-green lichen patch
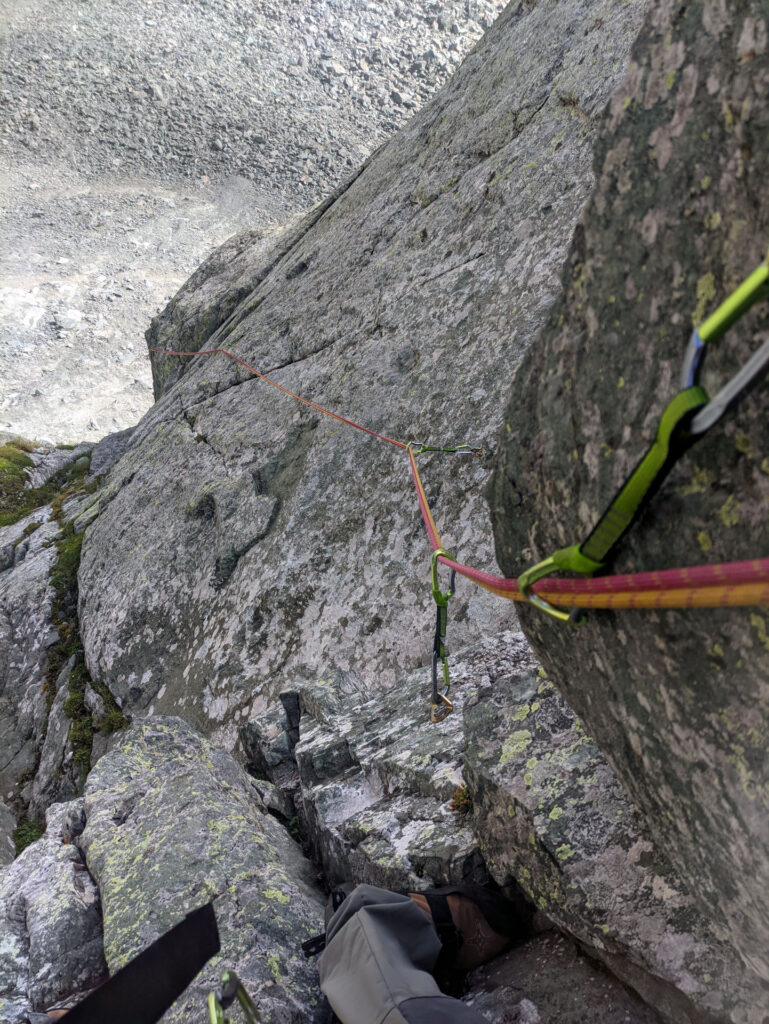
<point>743,444</point>
<point>700,481</point>
<point>705,543</point>
<point>759,624</point>
<point>729,513</point>
<point>556,813</point>
<point>706,292</point>
<point>521,713</point>
<point>564,852</point>
<point>273,962</point>
<point>276,894</point>
<point>514,745</point>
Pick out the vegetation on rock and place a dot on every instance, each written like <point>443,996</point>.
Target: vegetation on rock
<point>25,833</point>
<point>461,802</point>
<point>69,644</point>
<point>16,500</point>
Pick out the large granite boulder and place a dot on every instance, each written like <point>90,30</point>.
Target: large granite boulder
<point>245,543</point>
<point>677,700</point>
<point>50,921</point>
<point>173,823</point>
<point>509,786</point>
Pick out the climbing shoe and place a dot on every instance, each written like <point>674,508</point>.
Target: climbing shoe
<point>474,923</point>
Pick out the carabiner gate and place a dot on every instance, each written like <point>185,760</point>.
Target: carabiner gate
<point>751,290</point>
<point>232,990</point>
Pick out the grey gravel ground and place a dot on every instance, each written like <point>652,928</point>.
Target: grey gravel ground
<point>134,138</point>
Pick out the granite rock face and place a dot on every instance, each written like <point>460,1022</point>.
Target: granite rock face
<point>57,777</point>
<point>244,543</point>
<point>678,701</point>
<point>173,823</point>
<point>107,452</point>
<point>7,826</point>
<point>50,921</point>
<point>379,793</point>
<point>26,633</point>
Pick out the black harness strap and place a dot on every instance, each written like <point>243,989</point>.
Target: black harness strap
<point>142,991</point>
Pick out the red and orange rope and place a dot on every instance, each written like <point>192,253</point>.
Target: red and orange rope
<point>728,584</point>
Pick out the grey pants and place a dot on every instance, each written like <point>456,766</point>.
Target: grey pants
<point>375,969</point>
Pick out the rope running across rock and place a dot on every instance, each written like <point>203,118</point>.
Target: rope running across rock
<point>728,584</point>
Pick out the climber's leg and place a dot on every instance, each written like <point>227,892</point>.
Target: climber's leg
<point>375,969</point>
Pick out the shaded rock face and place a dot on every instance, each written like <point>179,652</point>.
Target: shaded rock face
<point>7,826</point>
<point>372,785</point>
<point>50,921</point>
<point>107,452</point>
<point>173,823</point>
<point>679,701</point>
<point>245,544</point>
<point>57,776</point>
<point>547,981</point>
<point>26,633</point>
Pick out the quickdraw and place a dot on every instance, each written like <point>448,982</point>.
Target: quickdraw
<point>688,415</point>
<point>440,705</point>
<point>232,990</point>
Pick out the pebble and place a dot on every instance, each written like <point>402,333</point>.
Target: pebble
<point>69,319</point>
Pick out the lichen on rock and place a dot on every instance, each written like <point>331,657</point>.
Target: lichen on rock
<point>50,921</point>
<point>678,700</point>
<point>173,823</point>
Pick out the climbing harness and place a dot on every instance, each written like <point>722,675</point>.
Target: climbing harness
<point>688,415</point>
<point>440,705</point>
<point>231,991</point>
<point>686,418</point>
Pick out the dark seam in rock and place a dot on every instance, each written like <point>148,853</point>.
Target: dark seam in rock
<point>222,576</point>
<point>450,270</point>
<point>238,314</point>
<point>250,378</point>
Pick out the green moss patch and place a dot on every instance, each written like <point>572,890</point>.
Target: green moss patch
<point>25,833</point>
<point>64,606</point>
<point>64,612</point>
<point>16,500</point>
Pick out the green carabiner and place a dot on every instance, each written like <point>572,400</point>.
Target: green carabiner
<point>232,990</point>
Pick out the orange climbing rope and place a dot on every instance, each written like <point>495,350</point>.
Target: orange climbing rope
<point>704,586</point>
<point>269,380</point>
<point>710,586</point>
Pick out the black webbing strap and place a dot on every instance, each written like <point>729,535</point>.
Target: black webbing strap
<point>315,945</point>
<point>337,896</point>
<point>450,938</point>
<point>142,991</point>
